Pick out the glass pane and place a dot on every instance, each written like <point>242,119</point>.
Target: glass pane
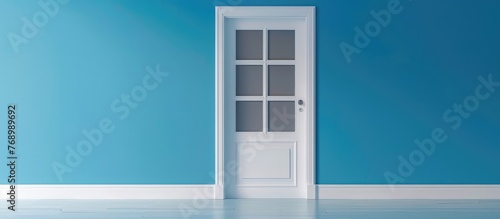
<point>281,44</point>
<point>249,116</point>
<point>281,80</point>
<point>249,45</point>
<point>281,116</point>
<point>249,80</point>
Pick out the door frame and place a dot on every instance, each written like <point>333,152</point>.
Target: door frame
<point>227,12</point>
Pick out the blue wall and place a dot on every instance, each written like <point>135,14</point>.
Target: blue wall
<point>72,73</point>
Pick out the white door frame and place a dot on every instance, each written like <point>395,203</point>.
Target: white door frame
<point>306,13</point>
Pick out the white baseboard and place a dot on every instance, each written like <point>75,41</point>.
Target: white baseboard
<point>111,191</point>
<point>207,192</point>
<point>408,192</point>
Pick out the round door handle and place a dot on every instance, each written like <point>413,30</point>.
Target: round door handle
<point>301,102</point>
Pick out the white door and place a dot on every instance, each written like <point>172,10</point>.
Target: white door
<point>266,107</point>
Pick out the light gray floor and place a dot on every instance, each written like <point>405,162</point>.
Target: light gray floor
<point>257,208</point>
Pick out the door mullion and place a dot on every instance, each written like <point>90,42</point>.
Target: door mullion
<point>265,85</point>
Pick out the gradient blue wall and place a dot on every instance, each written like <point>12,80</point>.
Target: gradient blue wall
<point>66,78</point>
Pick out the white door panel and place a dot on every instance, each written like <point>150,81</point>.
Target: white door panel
<point>266,107</point>
<point>265,71</point>
<point>266,162</point>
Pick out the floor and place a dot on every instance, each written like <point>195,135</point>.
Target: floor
<point>256,208</point>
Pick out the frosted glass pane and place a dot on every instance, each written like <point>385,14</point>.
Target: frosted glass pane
<point>281,116</point>
<point>281,80</point>
<point>249,80</point>
<point>249,116</point>
<point>281,44</point>
<point>249,45</point>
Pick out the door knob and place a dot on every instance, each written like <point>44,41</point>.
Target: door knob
<point>300,102</point>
